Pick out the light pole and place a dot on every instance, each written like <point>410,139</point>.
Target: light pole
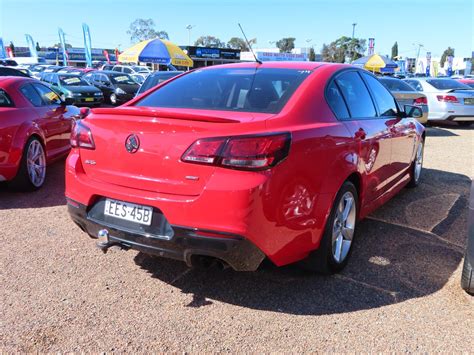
<point>352,40</point>
<point>189,28</point>
<point>417,54</point>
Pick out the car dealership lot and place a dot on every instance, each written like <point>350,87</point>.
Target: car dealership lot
<point>400,291</point>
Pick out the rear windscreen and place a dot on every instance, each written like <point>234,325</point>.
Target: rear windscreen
<point>154,80</point>
<point>230,89</point>
<point>447,84</point>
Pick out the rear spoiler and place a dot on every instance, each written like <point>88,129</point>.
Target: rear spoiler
<point>149,112</point>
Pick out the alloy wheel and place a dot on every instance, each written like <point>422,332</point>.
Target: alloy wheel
<point>418,162</point>
<point>36,163</point>
<point>343,227</point>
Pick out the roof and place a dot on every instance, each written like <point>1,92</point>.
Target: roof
<point>6,81</point>
<point>283,65</point>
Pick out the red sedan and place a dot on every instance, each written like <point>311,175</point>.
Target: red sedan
<point>240,162</point>
<point>35,126</point>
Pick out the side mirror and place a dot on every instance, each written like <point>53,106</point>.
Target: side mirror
<point>413,111</point>
<point>68,101</point>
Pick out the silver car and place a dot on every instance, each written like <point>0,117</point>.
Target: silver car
<point>467,280</point>
<point>406,95</point>
<point>448,99</point>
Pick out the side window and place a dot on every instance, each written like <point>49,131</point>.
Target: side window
<point>117,69</point>
<point>415,84</point>
<point>47,78</point>
<point>31,95</point>
<point>383,98</point>
<point>356,95</point>
<point>336,101</point>
<point>5,100</point>
<point>127,70</point>
<point>49,97</point>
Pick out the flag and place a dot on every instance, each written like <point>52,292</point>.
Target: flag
<point>371,46</point>
<point>3,53</point>
<point>106,55</point>
<point>87,44</point>
<point>67,57</point>
<point>63,45</point>
<point>31,46</point>
<point>9,52</point>
<point>117,53</point>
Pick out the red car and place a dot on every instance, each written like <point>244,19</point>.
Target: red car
<point>467,81</point>
<point>240,162</point>
<point>35,126</point>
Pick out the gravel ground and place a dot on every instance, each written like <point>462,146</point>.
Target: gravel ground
<point>400,292</point>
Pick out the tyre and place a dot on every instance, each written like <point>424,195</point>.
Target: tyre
<point>113,99</point>
<point>32,172</point>
<point>336,244</point>
<point>465,123</point>
<point>467,278</point>
<point>417,166</point>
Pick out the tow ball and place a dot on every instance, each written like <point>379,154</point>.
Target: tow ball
<point>103,242</point>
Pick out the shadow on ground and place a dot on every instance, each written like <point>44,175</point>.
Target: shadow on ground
<point>51,194</point>
<point>394,260</point>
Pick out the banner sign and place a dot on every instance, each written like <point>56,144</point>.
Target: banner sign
<point>428,63</point>
<point>87,44</point>
<point>279,57</point>
<point>3,53</point>
<point>449,72</point>
<point>435,68</point>
<point>371,46</point>
<point>31,46</point>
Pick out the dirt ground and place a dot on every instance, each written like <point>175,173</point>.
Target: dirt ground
<point>400,291</point>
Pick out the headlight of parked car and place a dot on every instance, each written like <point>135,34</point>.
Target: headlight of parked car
<point>120,91</point>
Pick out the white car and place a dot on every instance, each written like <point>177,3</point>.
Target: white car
<point>132,69</point>
<point>448,99</point>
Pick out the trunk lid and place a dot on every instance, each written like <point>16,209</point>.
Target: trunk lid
<point>164,135</point>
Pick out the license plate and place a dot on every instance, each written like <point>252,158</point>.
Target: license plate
<point>469,101</point>
<point>89,99</point>
<point>128,211</point>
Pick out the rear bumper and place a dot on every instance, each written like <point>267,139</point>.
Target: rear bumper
<point>185,243</point>
<point>450,112</point>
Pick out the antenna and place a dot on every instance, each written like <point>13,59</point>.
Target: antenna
<point>250,47</point>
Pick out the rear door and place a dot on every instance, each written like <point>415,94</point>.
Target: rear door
<point>368,130</point>
<point>402,130</point>
<point>56,125</point>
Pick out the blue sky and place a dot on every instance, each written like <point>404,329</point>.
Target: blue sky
<point>436,24</point>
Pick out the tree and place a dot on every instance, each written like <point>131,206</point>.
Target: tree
<point>239,43</point>
<point>209,41</point>
<point>38,48</point>
<point>395,51</point>
<point>337,50</point>
<point>312,55</point>
<point>286,45</point>
<point>143,29</point>
<point>448,52</point>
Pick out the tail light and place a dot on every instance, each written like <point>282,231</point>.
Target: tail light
<point>81,136</point>
<point>420,101</point>
<point>447,98</point>
<point>244,152</point>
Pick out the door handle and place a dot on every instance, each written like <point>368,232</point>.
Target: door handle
<point>360,134</point>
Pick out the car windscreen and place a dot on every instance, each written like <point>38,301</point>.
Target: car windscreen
<point>154,80</point>
<point>139,69</point>
<point>122,79</point>
<point>396,85</point>
<point>229,89</point>
<point>447,84</point>
<point>70,80</point>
